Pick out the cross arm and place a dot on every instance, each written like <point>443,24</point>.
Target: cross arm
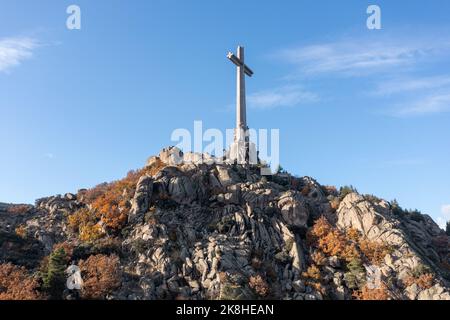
<point>248,71</point>
<point>234,59</point>
<point>238,63</point>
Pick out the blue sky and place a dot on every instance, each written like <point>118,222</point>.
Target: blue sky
<point>355,106</point>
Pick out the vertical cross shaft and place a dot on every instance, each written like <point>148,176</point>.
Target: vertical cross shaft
<point>242,70</point>
<point>241,112</point>
<point>239,150</point>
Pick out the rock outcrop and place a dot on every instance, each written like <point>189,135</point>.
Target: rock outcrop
<point>201,230</point>
<point>412,240</point>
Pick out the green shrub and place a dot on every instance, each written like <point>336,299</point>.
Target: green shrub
<point>396,209</point>
<point>282,257</point>
<point>345,190</point>
<point>280,169</point>
<point>105,246</point>
<point>54,278</point>
<point>372,198</point>
<point>224,226</point>
<point>420,270</point>
<point>416,215</point>
<point>355,277</point>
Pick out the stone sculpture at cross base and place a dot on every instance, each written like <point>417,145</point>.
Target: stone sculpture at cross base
<point>242,150</point>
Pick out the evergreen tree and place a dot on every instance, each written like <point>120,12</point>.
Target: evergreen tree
<point>54,278</point>
<point>447,229</point>
<point>396,209</point>
<point>280,169</point>
<point>345,190</point>
<point>355,277</point>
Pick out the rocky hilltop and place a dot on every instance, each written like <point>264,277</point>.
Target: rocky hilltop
<point>220,231</point>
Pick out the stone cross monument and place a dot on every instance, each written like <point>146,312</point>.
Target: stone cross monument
<point>241,150</point>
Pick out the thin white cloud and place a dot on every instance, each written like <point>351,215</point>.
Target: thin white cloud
<point>445,210</point>
<point>361,56</point>
<point>442,223</point>
<point>435,103</point>
<point>407,85</point>
<point>397,58</point>
<point>13,51</point>
<point>442,220</point>
<point>287,96</point>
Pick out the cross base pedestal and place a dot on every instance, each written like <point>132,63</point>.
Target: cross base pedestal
<point>242,152</point>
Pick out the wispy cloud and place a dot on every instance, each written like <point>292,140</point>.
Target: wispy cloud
<point>394,60</point>
<point>434,103</point>
<point>408,85</point>
<point>442,220</point>
<point>445,210</point>
<point>287,96</point>
<point>423,95</point>
<point>358,57</point>
<point>13,51</point>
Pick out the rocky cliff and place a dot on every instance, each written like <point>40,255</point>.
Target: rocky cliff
<point>223,231</point>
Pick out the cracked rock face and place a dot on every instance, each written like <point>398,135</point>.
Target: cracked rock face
<point>293,209</point>
<point>377,222</point>
<point>210,231</point>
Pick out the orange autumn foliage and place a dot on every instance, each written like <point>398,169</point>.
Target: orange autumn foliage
<point>85,223</point>
<point>346,246</point>
<point>331,241</point>
<point>318,258</point>
<point>332,244</point>
<point>334,204</point>
<point>19,209</point>
<point>367,293</point>
<point>374,251</point>
<point>350,252</point>
<point>101,275</point>
<point>111,202</point>
<point>113,205</point>
<point>91,232</point>
<point>353,234</point>
<point>314,279</point>
<point>68,249</point>
<point>16,284</point>
<point>331,190</point>
<point>21,231</point>
<point>80,218</point>
<point>313,273</point>
<point>305,190</point>
<point>89,195</point>
<point>320,229</point>
<point>259,285</point>
<point>424,281</point>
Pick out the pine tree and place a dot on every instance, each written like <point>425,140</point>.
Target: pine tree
<point>447,229</point>
<point>54,279</point>
<point>345,190</point>
<point>280,169</point>
<point>356,274</point>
